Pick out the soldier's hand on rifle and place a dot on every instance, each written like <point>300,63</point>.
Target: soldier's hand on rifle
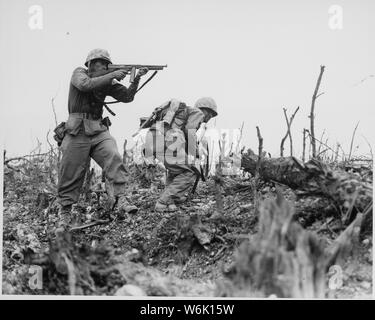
<point>142,71</point>
<point>119,74</point>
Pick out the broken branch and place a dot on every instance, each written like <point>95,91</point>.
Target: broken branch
<point>314,97</point>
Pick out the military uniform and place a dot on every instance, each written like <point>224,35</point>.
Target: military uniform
<point>86,135</point>
<point>174,147</point>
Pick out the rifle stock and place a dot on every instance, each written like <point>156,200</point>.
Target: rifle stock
<point>150,119</point>
<point>146,124</point>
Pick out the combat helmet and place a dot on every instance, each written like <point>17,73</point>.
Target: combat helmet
<point>98,54</point>
<point>207,103</point>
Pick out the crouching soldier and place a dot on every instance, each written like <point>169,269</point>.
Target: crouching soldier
<point>172,140</point>
<point>87,135</point>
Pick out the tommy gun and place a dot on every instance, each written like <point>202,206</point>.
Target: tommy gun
<point>129,68</point>
<point>132,68</point>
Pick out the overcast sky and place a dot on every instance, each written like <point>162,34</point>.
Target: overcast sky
<point>252,57</point>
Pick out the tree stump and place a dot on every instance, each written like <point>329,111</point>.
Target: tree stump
<point>284,259</point>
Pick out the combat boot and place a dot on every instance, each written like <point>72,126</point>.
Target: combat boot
<point>63,219</point>
<point>172,207</point>
<point>181,200</point>
<point>161,207</point>
<point>124,206</point>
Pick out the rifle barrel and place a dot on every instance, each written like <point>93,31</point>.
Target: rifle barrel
<point>137,66</point>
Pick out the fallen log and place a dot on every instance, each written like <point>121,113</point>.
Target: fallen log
<point>349,192</point>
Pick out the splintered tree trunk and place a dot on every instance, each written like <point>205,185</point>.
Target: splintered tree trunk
<point>288,133</point>
<point>281,259</point>
<point>218,178</point>
<point>312,116</point>
<point>284,259</point>
<point>348,191</point>
<point>304,145</point>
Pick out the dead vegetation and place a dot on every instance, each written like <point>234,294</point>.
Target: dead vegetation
<point>279,228</point>
<point>250,250</point>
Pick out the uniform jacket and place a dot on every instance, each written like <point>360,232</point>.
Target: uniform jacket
<point>86,95</point>
<point>186,122</point>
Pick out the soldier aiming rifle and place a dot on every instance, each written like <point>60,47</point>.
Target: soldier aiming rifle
<point>85,134</point>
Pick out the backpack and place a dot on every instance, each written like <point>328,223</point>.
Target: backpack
<point>167,113</point>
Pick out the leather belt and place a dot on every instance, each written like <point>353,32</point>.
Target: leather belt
<point>88,116</point>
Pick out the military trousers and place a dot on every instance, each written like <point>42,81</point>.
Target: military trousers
<point>170,149</point>
<point>76,153</point>
<point>180,179</point>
